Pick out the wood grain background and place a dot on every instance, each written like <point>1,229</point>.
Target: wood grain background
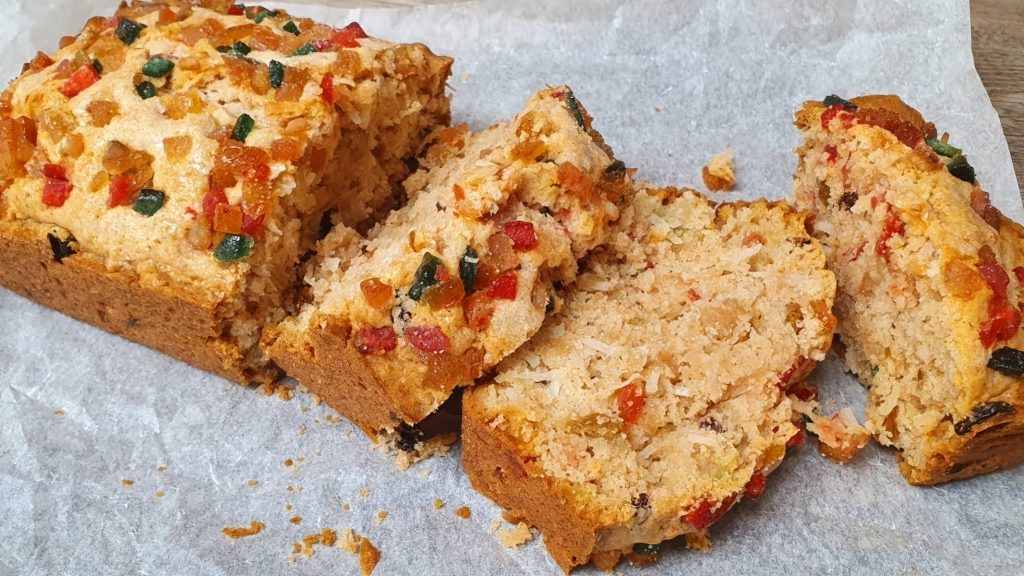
<point>997,28</point>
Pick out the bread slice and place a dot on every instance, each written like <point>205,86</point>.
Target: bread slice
<point>163,174</point>
<point>463,275</point>
<point>930,282</point>
<point>657,397</point>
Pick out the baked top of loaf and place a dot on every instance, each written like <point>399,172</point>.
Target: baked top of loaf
<point>930,277</point>
<point>196,108</point>
<point>656,395</point>
<point>465,273</point>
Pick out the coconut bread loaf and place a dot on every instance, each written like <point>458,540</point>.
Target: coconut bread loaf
<point>656,398</point>
<point>930,283</point>
<point>164,173</point>
<point>460,277</point>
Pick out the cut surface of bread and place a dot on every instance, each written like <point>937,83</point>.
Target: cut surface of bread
<point>656,398</point>
<point>464,274</point>
<point>930,283</point>
<point>165,172</point>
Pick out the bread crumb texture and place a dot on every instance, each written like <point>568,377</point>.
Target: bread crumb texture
<point>930,283</point>
<point>656,398</point>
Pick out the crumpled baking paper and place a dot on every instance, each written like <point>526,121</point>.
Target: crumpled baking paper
<point>669,83</point>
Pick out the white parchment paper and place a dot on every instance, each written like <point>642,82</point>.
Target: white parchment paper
<point>670,83</point>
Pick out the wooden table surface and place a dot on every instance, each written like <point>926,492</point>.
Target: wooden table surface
<point>997,28</point>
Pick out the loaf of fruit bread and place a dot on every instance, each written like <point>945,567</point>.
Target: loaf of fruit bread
<point>460,277</point>
<point>930,277</point>
<point>164,173</point>
<point>658,396</point>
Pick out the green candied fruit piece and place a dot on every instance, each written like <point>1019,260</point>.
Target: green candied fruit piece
<point>234,247</point>
<point>148,202</point>
<point>157,67</point>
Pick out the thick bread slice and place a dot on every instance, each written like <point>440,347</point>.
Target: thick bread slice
<point>930,284</point>
<point>656,398</point>
<point>463,275</point>
<point>189,157</point>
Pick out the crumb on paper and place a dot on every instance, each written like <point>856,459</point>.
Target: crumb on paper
<point>315,399</point>
<point>252,482</point>
<point>288,506</point>
<point>160,494</point>
<point>438,503</point>
<point>840,436</point>
<point>346,507</point>
<point>465,77</point>
<point>326,537</point>
<point>127,482</point>
<point>515,536</point>
<point>424,473</point>
<point>161,469</point>
<point>236,532</point>
<point>364,492</point>
<point>348,541</point>
<point>719,173</point>
<point>289,463</point>
<point>698,541</point>
<point>276,389</point>
<point>369,556</point>
<point>302,430</point>
<point>59,412</point>
<point>463,512</point>
<point>296,520</point>
<point>381,516</point>
<point>333,419</point>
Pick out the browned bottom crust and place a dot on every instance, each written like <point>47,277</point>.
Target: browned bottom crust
<point>498,472</point>
<point>331,368</point>
<point>172,321</point>
<point>996,447</point>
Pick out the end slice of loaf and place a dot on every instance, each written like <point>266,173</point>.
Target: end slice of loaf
<point>657,397</point>
<point>164,173</point>
<point>930,283</point>
<point>463,275</point>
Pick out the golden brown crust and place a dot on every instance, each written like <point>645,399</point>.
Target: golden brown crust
<point>327,363</point>
<point>496,470</point>
<point>175,322</point>
<point>998,446</point>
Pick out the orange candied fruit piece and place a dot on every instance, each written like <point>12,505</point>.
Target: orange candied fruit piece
<point>377,294</point>
<point>102,112</point>
<point>177,147</point>
<point>227,218</point>
<point>285,149</point>
<point>446,294</point>
<point>477,310</point>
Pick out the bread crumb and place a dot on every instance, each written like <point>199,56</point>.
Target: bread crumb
<point>364,491</point>
<point>698,541</point>
<point>315,398</point>
<point>463,512</point>
<point>326,537</point>
<point>381,516</point>
<point>302,430</point>
<point>369,556</point>
<point>159,494</point>
<point>348,541</point>
<point>840,436</point>
<point>332,419</point>
<point>252,482</point>
<point>161,469</point>
<point>657,109</point>
<point>288,506</point>
<point>284,393</point>
<point>516,536</point>
<point>236,532</point>
<point>289,463</point>
<point>346,507</point>
<point>58,412</point>
<point>127,482</point>
<point>296,520</point>
<point>720,173</point>
<point>438,503</point>
<point>353,543</point>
